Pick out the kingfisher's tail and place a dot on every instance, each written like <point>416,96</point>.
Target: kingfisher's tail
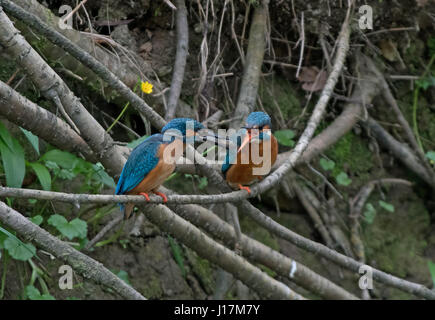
<point>127,209</point>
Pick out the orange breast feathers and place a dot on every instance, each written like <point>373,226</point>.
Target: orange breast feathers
<point>254,161</point>
<point>168,155</point>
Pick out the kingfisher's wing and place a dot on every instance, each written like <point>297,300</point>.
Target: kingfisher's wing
<point>141,161</point>
<point>231,156</point>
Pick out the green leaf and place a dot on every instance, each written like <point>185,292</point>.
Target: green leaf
<point>285,137</point>
<point>343,179</point>
<point>6,137</point>
<point>432,271</point>
<point>369,213</point>
<point>327,165</point>
<point>123,275</point>
<point>425,83</point>
<point>34,140</point>
<point>34,294</point>
<point>387,206</point>
<point>3,237</point>
<point>431,45</point>
<point>52,166</point>
<point>431,156</point>
<point>80,227</point>
<point>66,174</point>
<point>102,176</point>
<point>43,175</point>
<point>13,159</point>
<point>203,182</point>
<point>76,228</point>
<point>37,219</point>
<point>18,249</point>
<point>4,234</point>
<point>63,159</point>
<point>136,142</point>
<point>178,254</point>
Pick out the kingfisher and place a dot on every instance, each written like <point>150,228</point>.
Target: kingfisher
<point>243,166</point>
<point>148,165</point>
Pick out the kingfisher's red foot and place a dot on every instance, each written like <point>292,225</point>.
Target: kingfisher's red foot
<point>165,199</point>
<point>244,188</point>
<point>145,195</point>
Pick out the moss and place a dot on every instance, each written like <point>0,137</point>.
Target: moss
<point>270,272</point>
<point>351,153</point>
<point>250,228</point>
<point>425,118</point>
<point>153,288</point>
<point>203,271</point>
<point>413,55</point>
<point>279,92</point>
<point>6,69</point>
<point>395,242</point>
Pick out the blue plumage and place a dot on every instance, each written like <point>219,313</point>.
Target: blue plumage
<point>182,125</point>
<point>231,156</point>
<point>145,158</point>
<point>141,161</point>
<point>257,120</point>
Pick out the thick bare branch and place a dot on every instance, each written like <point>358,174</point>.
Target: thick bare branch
<point>332,255</point>
<point>191,236</point>
<point>180,59</point>
<point>85,58</point>
<point>401,151</point>
<point>86,266</point>
<point>260,253</point>
<point>99,198</point>
<point>252,69</point>
<point>408,131</point>
<point>124,69</point>
<point>41,122</point>
<point>54,87</point>
<point>212,224</point>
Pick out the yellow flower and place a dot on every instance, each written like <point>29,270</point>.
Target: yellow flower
<point>146,87</point>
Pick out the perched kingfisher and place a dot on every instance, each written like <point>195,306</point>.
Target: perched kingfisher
<point>242,166</point>
<point>146,168</point>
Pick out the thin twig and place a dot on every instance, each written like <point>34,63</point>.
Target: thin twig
<point>69,15</point>
<point>302,40</point>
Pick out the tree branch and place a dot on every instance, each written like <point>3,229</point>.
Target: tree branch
<point>41,122</point>
<point>332,255</point>
<point>252,68</point>
<point>180,59</point>
<point>124,69</point>
<point>54,87</point>
<point>260,253</point>
<point>86,266</point>
<point>85,58</point>
<point>192,237</point>
<point>401,151</point>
